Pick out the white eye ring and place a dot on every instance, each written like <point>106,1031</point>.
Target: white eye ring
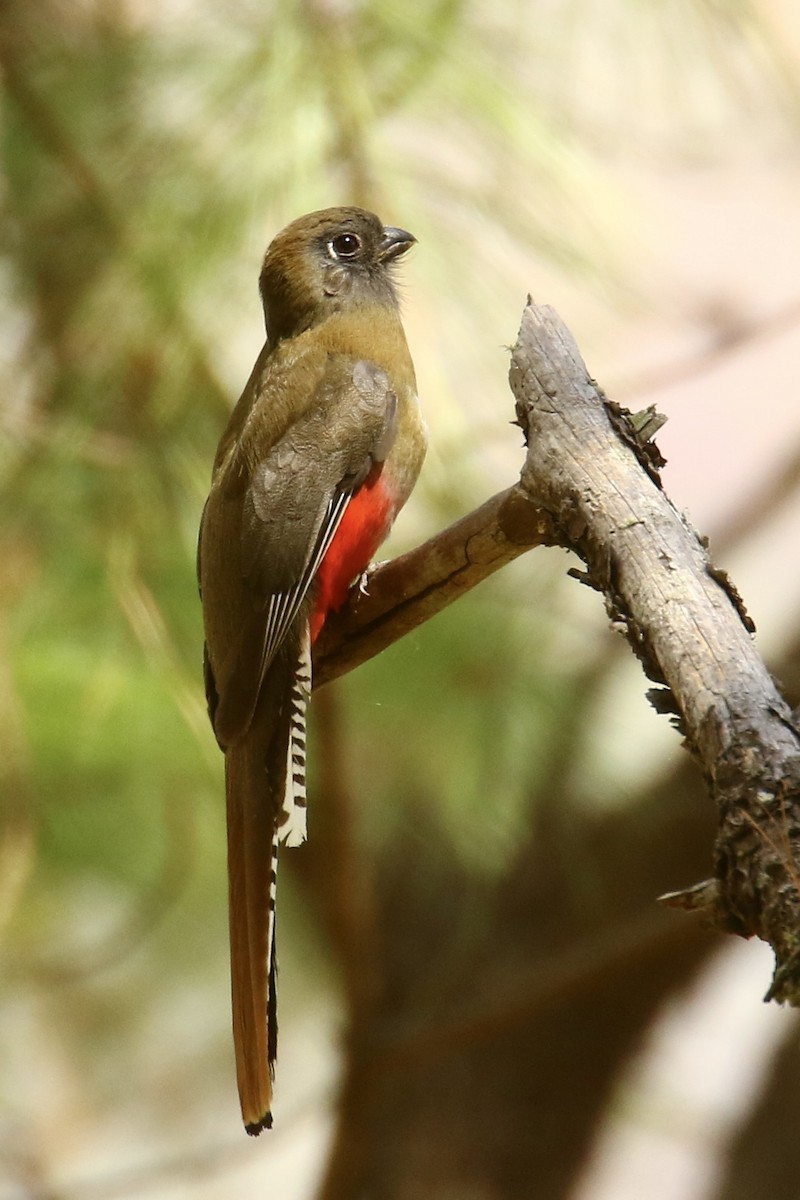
<point>344,246</point>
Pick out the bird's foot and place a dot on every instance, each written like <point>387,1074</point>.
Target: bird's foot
<point>366,575</point>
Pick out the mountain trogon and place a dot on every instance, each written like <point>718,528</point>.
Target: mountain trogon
<point>319,455</point>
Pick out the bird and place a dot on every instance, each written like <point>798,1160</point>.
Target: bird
<point>319,455</point>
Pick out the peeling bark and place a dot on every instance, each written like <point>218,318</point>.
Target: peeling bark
<point>687,625</point>
<point>590,483</point>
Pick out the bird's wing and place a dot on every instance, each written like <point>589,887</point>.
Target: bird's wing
<point>282,607</point>
<point>296,496</point>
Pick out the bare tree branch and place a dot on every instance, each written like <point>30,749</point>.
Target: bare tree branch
<point>401,594</point>
<point>590,483</point>
<point>587,469</point>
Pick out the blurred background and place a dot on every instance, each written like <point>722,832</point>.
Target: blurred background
<point>480,998</point>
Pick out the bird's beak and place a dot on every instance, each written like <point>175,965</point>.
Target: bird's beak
<point>394,243</point>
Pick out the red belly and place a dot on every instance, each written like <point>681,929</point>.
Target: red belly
<point>364,526</point>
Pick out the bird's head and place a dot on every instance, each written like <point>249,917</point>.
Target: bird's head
<point>327,262</point>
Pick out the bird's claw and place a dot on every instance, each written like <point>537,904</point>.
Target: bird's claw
<point>364,577</point>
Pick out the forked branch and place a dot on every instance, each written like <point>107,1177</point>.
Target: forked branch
<point>590,483</point>
<point>402,594</point>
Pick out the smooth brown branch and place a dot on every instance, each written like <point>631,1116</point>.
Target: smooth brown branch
<point>589,469</point>
<point>402,594</point>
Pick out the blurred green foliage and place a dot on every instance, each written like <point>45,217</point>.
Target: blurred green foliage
<point>148,152</point>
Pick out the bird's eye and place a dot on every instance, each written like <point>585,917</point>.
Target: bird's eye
<point>345,246</point>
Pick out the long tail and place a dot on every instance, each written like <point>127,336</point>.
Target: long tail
<point>266,799</point>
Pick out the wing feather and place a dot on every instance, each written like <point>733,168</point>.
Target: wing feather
<point>283,607</point>
<point>275,507</point>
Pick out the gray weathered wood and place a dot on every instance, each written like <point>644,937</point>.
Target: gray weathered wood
<point>590,483</point>
<point>586,469</point>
